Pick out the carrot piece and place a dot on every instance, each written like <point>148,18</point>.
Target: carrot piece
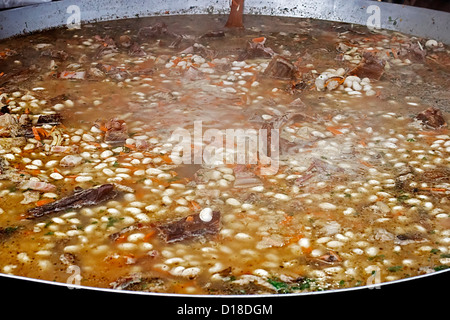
<point>363,143</point>
<point>365,163</point>
<point>166,158</point>
<point>259,39</point>
<point>121,238</point>
<point>35,172</point>
<point>36,133</point>
<point>434,189</point>
<point>189,218</point>
<point>39,133</point>
<point>306,250</point>
<point>334,130</point>
<point>194,206</point>
<point>130,146</point>
<point>149,235</point>
<point>43,201</point>
<point>294,239</point>
<point>287,219</point>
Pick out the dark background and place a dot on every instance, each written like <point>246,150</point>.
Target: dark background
<point>425,297</point>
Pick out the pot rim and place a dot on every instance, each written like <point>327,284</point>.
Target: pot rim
<point>410,20</point>
<point>255,296</point>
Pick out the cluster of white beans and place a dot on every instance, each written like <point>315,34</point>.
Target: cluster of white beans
<point>352,85</point>
<point>254,231</point>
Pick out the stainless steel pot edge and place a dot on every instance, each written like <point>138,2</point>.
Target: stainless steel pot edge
<point>410,20</point>
<point>180,295</point>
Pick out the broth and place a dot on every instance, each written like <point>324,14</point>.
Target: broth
<point>360,195</point>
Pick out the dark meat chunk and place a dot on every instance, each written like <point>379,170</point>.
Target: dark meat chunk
<point>200,50</point>
<point>5,109</point>
<point>9,81</point>
<point>136,50</point>
<point>9,125</point>
<point>190,227</point>
<point>256,49</point>
<point>115,73</point>
<point>3,166</point>
<point>108,46</point>
<point>126,282</point>
<point>138,282</point>
<point>245,178</point>
<point>410,237</point>
<point>53,119</point>
<point>330,258</point>
<point>280,68</point>
<point>13,125</point>
<point>439,174</point>
<point>125,41</point>
<point>78,199</point>
<point>370,67</point>
<point>160,31</point>
<point>274,125</point>
<point>320,170</point>
<point>403,177</point>
<point>413,51</point>
<point>154,31</point>
<point>213,34</point>
<point>116,131</point>
<point>432,117</point>
<point>55,54</point>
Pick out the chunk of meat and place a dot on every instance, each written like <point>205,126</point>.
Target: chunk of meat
<point>413,51</point>
<point>280,68</point>
<point>116,131</point>
<point>410,237</point>
<point>278,122</point>
<point>321,171</point>
<point>440,174</point>
<point>55,54</point>
<point>201,50</point>
<point>370,67</point>
<point>52,119</point>
<point>245,178</point>
<point>108,46</point>
<point>78,199</point>
<point>30,196</point>
<point>190,227</point>
<point>154,31</point>
<point>125,41</point>
<point>9,125</point>
<point>115,73</point>
<point>256,49</point>
<point>432,117</point>
<point>330,257</point>
<point>37,185</point>
<point>136,50</point>
<point>213,34</point>
<point>76,75</point>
